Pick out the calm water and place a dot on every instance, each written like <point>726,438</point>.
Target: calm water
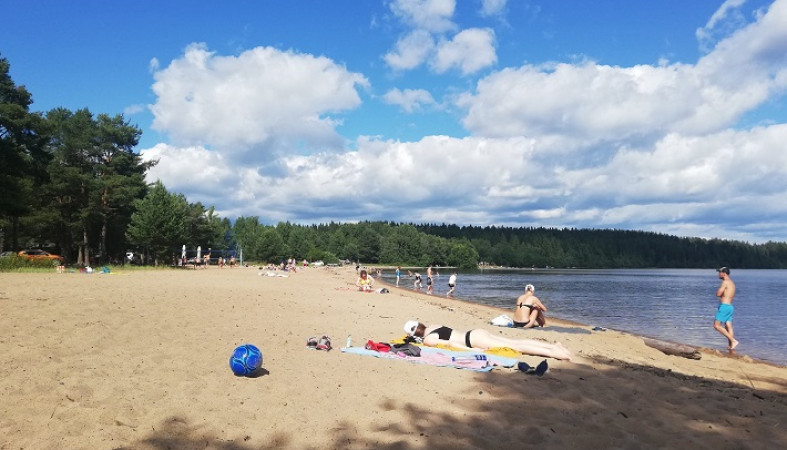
<point>671,304</point>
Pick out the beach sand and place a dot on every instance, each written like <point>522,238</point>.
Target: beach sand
<point>139,360</point>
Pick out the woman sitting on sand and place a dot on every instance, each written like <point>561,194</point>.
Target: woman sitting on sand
<point>480,339</point>
<point>529,310</point>
<point>365,282</point>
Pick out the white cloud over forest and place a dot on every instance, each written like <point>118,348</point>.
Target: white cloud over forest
<point>654,147</point>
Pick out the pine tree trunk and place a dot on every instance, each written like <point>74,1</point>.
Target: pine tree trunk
<point>87,248</point>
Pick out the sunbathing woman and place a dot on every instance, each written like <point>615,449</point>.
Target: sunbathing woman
<point>434,335</point>
<point>529,310</point>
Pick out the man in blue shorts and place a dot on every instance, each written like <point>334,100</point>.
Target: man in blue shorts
<point>726,292</point>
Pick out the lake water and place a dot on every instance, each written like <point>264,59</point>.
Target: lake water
<point>671,304</point>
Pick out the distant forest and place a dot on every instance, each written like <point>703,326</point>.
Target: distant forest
<point>591,248</point>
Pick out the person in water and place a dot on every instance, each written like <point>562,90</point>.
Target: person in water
<point>480,339</point>
<point>529,310</point>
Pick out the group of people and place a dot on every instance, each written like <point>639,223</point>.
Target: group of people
<point>431,274</point>
<point>529,312</point>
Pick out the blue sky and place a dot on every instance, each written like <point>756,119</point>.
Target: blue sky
<point>665,116</point>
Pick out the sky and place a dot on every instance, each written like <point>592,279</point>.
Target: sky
<point>665,116</point>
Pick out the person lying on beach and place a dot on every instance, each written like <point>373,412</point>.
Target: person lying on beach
<point>365,282</point>
<point>529,311</point>
<point>480,339</point>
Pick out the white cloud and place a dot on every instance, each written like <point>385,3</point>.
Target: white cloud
<point>410,51</point>
<point>429,15</point>
<point>254,100</point>
<point>601,102</point>
<point>492,7</point>
<point>676,182</point>
<point>727,17</point>
<point>409,100</point>
<point>469,51</point>
<point>189,169</point>
<point>586,100</point>
<point>133,109</point>
<point>567,145</point>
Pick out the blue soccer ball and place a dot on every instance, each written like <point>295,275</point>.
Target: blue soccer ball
<point>245,360</point>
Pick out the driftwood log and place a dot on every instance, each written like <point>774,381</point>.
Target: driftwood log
<point>671,348</point>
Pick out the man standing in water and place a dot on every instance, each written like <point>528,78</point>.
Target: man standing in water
<point>726,292</point>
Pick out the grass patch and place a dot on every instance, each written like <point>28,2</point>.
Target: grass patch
<point>17,264</point>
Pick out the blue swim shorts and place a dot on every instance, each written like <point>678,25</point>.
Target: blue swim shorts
<point>724,314</point>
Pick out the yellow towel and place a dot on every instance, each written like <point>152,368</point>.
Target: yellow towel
<point>499,351</point>
<point>504,351</point>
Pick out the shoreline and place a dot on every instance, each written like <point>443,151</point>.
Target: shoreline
<point>569,323</point>
<point>139,359</point>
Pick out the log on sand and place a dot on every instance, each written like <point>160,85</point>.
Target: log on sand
<point>671,348</point>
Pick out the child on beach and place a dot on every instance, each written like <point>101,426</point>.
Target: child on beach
<point>451,284</point>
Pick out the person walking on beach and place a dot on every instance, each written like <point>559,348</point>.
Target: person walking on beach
<point>723,321</point>
<point>451,284</point>
<point>398,274</point>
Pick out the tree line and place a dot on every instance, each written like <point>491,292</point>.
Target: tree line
<point>71,182</point>
<point>604,248</point>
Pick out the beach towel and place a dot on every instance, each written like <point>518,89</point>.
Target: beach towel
<point>442,358</point>
<point>499,351</point>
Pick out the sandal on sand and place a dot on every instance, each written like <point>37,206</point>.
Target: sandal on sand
<point>311,343</point>
<point>542,368</point>
<point>324,343</point>
<point>539,370</point>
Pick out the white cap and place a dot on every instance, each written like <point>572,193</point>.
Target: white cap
<point>531,288</point>
<point>410,327</point>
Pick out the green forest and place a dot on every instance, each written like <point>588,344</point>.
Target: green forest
<point>72,184</point>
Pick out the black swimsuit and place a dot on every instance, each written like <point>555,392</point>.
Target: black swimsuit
<point>444,333</point>
<point>522,324</point>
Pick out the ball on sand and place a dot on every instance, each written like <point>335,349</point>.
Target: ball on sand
<point>245,360</point>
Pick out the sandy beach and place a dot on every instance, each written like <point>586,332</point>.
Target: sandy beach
<point>139,360</point>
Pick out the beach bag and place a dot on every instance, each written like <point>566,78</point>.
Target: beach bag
<point>502,321</point>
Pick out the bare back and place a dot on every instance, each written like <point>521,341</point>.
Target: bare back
<point>522,312</point>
